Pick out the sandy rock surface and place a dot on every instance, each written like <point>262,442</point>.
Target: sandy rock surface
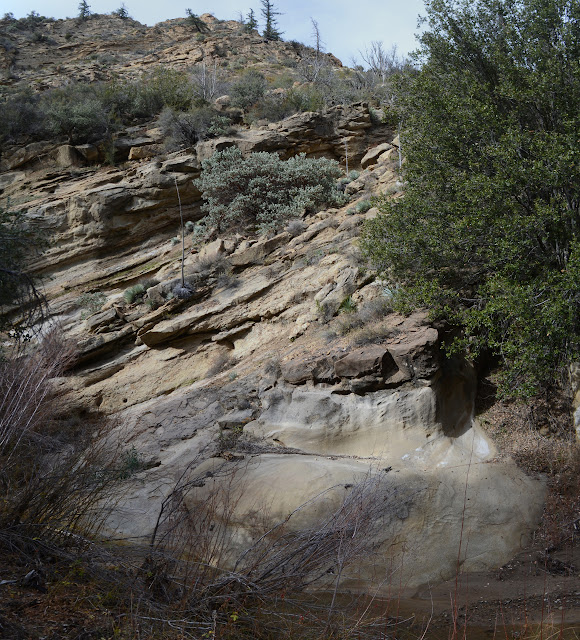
<point>263,370</point>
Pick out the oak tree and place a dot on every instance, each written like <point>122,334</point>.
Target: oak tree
<point>487,234</point>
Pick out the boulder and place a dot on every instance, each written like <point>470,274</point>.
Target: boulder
<point>67,156</point>
<point>312,133</point>
<point>222,103</point>
<point>371,157</point>
<point>372,360</point>
<point>416,353</point>
<point>98,346</point>
<point>235,418</point>
<point>255,253</point>
<point>103,321</point>
<point>212,251</point>
<point>10,178</point>
<point>88,152</point>
<point>418,523</point>
<point>317,369</point>
<point>24,155</point>
<point>146,151</point>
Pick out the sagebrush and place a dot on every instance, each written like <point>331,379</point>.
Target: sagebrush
<point>261,191</point>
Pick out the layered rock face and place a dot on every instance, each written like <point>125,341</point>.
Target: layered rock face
<point>261,375</point>
<point>449,506</point>
<point>284,378</point>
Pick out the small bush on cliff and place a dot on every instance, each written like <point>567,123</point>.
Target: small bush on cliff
<point>261,191</point>
<point>146,97</point>
<point>248,90</point>
<point>77,112</point>
<point>92,302</point>
<point>277,106</point>
<point>185,129</point>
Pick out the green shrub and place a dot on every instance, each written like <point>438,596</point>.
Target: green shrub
<point>146,97</point>
<point>363,206</point>
<point>76,111</point>
<point>248,90</point>
<point>272,107</point>
<point>19,116</point>
<point>185,129</point>
<point>277,106</point>
<point>261,191</point>
<point>353,175</point>
<point>31,21</point>
<point>134,293</point>
<point>92,302</point>
<point>348,305</point>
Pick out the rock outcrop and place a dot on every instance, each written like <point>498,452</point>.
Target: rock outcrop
<point>267,361</point>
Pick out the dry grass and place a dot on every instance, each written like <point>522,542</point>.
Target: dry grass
<point>538,434</point>
<point>364,325</point>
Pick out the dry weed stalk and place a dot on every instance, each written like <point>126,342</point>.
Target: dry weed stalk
<point>52,472</point>
<point>190,564</point>
<point>25,392</point>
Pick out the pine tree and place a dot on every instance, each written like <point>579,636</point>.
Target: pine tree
<point>84,10</point>
<point>195,21</point>
<point>122,12</point>
<point>271,29</point>
<point>251,23</point>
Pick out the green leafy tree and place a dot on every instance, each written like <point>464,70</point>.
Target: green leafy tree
<point>196,22</point>
<point>269,14</point>
<point>261,191</point>
<point>84,10</point>
<point>251,22</point>
<point>487,234</point>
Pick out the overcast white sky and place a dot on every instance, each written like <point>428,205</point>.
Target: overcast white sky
<point>346,26</point>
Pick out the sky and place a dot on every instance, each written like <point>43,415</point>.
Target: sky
<point>347,27</point>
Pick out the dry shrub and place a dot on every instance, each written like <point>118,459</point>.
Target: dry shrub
<point>191,567</point>
<point>538,434</point>
<point>366,324</point>
<point>52,474</point>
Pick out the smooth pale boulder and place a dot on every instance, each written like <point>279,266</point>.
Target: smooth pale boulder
<point>426,524</point>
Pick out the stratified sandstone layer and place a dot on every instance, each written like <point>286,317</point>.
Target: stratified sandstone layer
<point>259,371</point>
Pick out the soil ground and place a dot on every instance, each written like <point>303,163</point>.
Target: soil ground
<point>535,595</point>
<point>534,590</point>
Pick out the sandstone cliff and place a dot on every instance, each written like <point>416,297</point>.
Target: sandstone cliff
<point>267,367</point>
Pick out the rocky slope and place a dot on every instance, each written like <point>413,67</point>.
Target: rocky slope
<point>50,53</point>
<point>283,366</point>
